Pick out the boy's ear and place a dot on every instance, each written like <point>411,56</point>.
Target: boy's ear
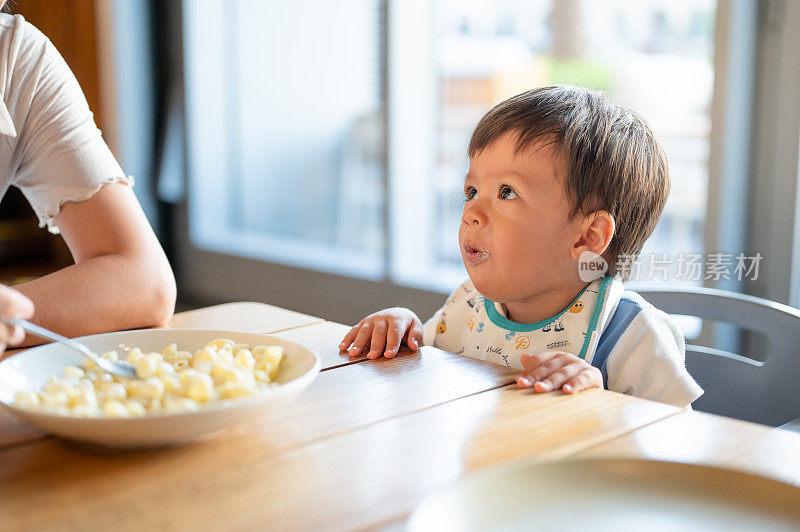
<point>596,233</point>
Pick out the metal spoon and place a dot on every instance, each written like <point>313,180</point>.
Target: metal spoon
<point>120,369</point>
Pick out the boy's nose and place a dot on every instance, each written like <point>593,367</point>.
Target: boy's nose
<point>472,216</point>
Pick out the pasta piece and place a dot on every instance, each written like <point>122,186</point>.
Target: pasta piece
<point>73,372</point>
<point>80,396</point>
<point>26,399</point>
<point>135,409</point>
<point>222,343</point>
<point>222,373</point>
<point>225,356</point>
<point>152,388</point>
<point>170,352</point>
<point>197,385</point>
<point>146,367</point>
<point>245,359</point>
<point>84,411</point>
<point>205,358</point>
<point>180,404</point>
<point>134,355</point>
<point>116,391</point>
<point>114,408</point>
<point>232,389</point>
<point>172,384</point>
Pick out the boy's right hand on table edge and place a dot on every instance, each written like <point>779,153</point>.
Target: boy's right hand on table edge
<point>383,332</point>
<point>551,370</point>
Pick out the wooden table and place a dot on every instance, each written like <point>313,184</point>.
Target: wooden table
<point>359,449</point>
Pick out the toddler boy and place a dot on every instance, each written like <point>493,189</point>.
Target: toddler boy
<point>560,181</point>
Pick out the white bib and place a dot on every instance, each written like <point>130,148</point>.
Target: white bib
<point>474,326</point>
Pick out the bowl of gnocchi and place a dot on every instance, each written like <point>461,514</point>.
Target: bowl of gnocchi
<point>191,384</point>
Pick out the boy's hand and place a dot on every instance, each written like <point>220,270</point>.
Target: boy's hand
<point>382,332</point>
<point>552,370</point>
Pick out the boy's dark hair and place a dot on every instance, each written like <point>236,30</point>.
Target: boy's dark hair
<point>614,161</point>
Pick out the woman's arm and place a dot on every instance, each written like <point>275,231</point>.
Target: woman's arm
<point>121,278</point>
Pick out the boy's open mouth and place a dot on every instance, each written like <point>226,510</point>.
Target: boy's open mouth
<point>474,256</point>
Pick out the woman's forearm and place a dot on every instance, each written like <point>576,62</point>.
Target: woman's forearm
<point>121,278</point>
<point>103,293</point>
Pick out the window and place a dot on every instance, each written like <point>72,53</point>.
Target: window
<point>287,131</point>
<point>655,57</point>
<point>332,137</point>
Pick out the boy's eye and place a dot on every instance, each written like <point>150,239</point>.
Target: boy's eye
<point>506,192</point>
<point>470,192</point>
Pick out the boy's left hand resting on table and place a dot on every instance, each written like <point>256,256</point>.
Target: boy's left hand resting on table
<point>552,370</point>
<point>383,332</point>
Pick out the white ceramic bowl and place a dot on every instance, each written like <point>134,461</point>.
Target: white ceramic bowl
<point>30,369</point>
<point>610,494</point>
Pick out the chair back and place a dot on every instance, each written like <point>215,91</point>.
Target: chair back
<point>737,386</point>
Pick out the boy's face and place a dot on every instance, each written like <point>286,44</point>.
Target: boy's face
<point>516,235</point>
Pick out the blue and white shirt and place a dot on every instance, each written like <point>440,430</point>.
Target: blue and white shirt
<point>638,349</point>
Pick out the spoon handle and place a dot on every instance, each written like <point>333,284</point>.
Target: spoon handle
<point>40,331</point>
<point>115,368</point>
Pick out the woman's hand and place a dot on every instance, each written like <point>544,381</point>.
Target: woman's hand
<point>552,370</point>
<point>13,305</point>
<point>382,332</point>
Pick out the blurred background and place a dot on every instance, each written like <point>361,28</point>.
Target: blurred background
<point>311,154</point>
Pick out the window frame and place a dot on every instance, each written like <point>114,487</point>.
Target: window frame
<point>774,216</point>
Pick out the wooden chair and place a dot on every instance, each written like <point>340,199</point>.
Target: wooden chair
<point>738,386</point>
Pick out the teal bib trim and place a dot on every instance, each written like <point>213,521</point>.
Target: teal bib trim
<point>505,323</point>
<point>598,308</point>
